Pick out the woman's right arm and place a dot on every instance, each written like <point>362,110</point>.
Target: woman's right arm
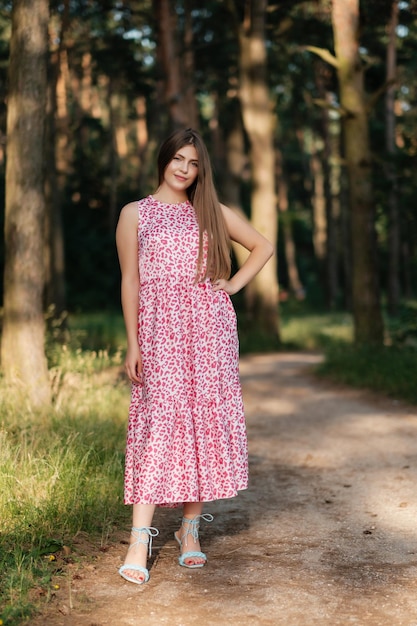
<point>127,249</point>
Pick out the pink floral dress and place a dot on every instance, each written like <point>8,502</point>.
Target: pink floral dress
<point>186,439</point>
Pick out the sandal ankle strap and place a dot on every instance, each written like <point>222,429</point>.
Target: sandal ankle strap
<point>194,525</point>
<point>150,531</point>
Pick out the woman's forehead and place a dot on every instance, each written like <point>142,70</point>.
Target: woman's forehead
<point>188,151</point>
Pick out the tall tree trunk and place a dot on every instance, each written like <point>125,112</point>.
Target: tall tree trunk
<point>188,68</point>
<point>319,205</point>
<point>23,350</point>
<point>170,63</point>
<point>394,217</point>
<point>365,293</point>
<point>330,130</point>
<point>294,281</point>
<point>258,121</point>
<point>333,160</point>
<point>55,292</point>
<point>142,140</point>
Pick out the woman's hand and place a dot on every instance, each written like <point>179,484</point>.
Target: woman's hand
<point>133,364</point>
<point>222,284</point>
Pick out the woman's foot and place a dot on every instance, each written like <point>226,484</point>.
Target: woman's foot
<point>188,539</point>
<point>134,568</point>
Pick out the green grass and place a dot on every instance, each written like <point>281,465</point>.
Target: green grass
<point>61,473</point>
<point>390,369</point>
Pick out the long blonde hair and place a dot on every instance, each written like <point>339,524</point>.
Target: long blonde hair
<point>203,196</point>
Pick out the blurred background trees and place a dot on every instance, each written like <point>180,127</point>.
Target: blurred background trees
<point>312,130</point>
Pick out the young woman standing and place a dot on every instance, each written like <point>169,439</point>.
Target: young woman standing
<point>186,440</point>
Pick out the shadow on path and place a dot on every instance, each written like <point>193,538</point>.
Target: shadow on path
<point>325,534</point>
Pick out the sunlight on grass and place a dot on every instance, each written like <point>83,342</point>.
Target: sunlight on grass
<point>61,471</point>
<point>314,332</point>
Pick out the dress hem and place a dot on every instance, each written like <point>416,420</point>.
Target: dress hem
<point>181,502</point>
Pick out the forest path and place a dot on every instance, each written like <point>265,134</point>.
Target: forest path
<point>326,534</point>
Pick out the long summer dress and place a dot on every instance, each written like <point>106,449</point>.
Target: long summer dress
<point>186,438</point>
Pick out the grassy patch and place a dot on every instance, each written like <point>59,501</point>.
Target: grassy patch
<point>390,369</point>
<point>61,473</point>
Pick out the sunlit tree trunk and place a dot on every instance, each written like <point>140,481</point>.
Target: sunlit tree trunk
<point>330,130</point>
<point>333,160</point>
<point>23,350</point>
<point>319,205</point>
<point>259,124</point>
<point>142,139</point>
<point>231,180</point>
<point>394,218</point>
<point>365,293</point>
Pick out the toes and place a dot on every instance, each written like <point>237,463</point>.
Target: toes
<point>132,573</point>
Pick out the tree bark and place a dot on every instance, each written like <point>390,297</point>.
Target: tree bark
<point>393,210</point>
<point>365,292</point>
<point>170,64</point>
<point>330,129</point>
<point>23,350</point>
<point>55,137</point>
<point>259,121</point>
<point>294,282</point>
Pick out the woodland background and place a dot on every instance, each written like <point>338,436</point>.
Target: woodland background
<point>308,109</point>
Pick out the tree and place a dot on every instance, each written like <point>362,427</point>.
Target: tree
<point>393,291</point>
<point>354,105</point>
<point>22,349</point>
<point>258,120</point>
<point>353,99</point>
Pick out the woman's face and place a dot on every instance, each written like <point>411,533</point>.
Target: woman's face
<point>182,171</point>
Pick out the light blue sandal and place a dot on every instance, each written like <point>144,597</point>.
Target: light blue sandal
<point>150,532</point>
<point>191,528</point>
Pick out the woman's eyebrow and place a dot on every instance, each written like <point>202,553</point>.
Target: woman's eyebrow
<point>183,157</point>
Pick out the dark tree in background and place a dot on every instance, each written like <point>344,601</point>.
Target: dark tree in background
<point>301,146</point>
<point>22,348</point>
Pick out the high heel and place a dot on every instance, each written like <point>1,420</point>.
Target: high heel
<point>191,528</point>
<point>147,541</point>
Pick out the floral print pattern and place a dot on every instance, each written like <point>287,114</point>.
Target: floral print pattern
<point>186,438</point>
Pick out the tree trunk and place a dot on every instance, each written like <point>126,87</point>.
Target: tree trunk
<point>55,136</point>
<point>294,282</point>
<point>394,217</point>
<point>258,121</point>
<point>231,172</point>
<point>330,128</point>
<point>365,293</point>
<point>23,350</point>
<point>319,206</point>
<point>169,64</point>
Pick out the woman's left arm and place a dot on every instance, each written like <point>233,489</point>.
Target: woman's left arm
<point>260,251</point>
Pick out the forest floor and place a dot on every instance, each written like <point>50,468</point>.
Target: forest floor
<point>326,534</point>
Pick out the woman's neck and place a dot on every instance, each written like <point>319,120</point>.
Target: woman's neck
<point>169,196</point>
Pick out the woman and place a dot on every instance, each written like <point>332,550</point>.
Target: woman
<point>186,440</point>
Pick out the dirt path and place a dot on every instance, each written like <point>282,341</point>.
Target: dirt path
<point>326,534</point>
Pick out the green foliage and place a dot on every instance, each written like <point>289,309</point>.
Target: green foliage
<point>61,471</point>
